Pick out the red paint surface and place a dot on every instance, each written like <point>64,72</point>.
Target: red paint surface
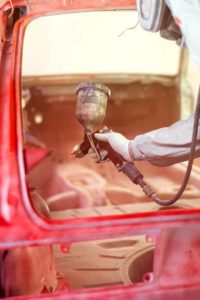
<point>33,156</point>
<point>176,275</point>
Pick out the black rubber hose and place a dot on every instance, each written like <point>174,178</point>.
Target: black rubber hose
<point>190,160</point>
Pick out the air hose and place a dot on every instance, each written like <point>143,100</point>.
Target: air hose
<point>152,195</point>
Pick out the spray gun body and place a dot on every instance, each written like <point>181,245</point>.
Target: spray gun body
<point>120,163</point>
<point>90,111</point>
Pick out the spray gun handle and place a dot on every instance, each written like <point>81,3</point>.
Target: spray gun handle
<point>121,164</point>
<point>127,167</point>
<point>83,148</point>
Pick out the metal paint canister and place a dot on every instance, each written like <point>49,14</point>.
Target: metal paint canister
<point>91,104</point>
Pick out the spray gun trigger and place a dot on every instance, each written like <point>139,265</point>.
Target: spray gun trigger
<point>105,130</point>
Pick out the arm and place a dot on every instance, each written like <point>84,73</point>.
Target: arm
<point>161,147</point>
<point>166,146</point>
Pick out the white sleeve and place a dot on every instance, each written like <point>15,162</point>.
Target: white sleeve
<point>166,146</point>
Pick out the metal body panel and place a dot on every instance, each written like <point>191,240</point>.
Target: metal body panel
<point>175,232</point>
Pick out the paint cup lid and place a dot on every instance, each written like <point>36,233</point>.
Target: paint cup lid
<point>95,86</point>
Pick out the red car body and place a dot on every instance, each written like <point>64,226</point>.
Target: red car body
<point>176,232</point>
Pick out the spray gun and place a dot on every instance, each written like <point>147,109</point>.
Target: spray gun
<point>90,111</point>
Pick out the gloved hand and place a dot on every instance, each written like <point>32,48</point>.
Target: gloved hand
<point>117,141</point>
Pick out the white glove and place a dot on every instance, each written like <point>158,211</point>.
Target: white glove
<point>117,141</point>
